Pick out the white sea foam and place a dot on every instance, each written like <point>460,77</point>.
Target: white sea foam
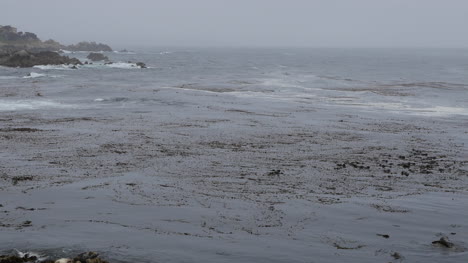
<point>123,65</point>
<point>116,65</point>
<point>125,52</point>
<point>82,52</point>
<point>54,67</point>
<point>282,83</point>
<point>12,105</point>
<point>442,111</point>
<point>410,109</point>
<point>39,257</point>
<point>34,75</point>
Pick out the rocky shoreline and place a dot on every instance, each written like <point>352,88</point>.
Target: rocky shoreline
<point>87,257</point>
<point>11,40</point>
<point>25,49</point>
<point>25,59</point>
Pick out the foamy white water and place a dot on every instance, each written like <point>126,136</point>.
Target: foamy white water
<point>54,67</point>
<point>34,75</point>
<point>15,105</point>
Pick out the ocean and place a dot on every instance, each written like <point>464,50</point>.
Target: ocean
<point>238,155</point>
<point>435,79</point>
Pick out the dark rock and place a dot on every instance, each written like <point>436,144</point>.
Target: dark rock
<point>83,257</point>
<point>25,59</point>
<point>444,241</point>
<point>396,255</point>
<point>26,223</point>
<point>17,259</point>
<point>89,46</point>
<point>97,57</point>
<point>275,173</point>
<point>9,33</point>
<point>20,178</point>
<point>141,64</point>
<point>89,257</point>
<point>383,235</point>
<point>11,40</point>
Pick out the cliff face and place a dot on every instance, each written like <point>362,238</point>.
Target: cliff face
<point>11,41</point>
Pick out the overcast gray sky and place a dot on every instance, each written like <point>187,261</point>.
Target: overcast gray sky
<point>308,23</point>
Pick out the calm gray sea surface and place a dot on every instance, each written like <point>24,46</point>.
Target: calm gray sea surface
<point>441,74</point>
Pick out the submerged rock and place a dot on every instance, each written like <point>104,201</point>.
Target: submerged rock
<point>97,57</point>
<point>88,257</point>
<point>444,241</point>
<point>141,64</point>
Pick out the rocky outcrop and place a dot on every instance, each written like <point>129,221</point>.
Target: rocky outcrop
<point>97,57</point>
<point>89,257</point>
<point>11,34</point>
<point>25,49</point>
<point>89,46</point>
<point>11,40</point>
<point>25,59</point>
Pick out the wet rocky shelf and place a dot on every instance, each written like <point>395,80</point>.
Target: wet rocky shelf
<point>87,257</point>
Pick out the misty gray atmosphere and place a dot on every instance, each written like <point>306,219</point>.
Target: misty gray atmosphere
<point>297,23</point>
<point>221,131</point>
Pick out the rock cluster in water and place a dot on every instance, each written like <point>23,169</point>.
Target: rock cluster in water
<point>11,40</point>
<point>88,257</point>
<point>88,46</point>
<point>97,57</point>
<point>25,59</point>
<point>25,49</point>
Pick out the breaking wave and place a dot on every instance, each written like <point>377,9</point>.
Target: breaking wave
<point>55,67</point>
<point>123,65</point>
<point>34,75</point>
